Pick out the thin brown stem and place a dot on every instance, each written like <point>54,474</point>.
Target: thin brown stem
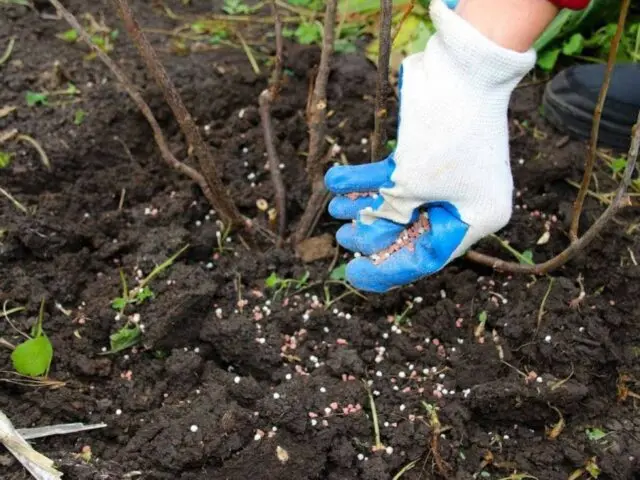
<point>317,121</point>
<point>619,201</point>
<point>593,146</point>
<point>317,112</point>
<point>382,84</point>
<point>220,199</point>
<point>276,76</point>
<point>135,95</point>
<point>265,100</point>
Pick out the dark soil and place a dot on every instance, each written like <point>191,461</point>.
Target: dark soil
<point>208,360</point>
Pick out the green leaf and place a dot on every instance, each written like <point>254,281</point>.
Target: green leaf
<point>78,117</point>
<point>618,165</point>
<point>272,280</point>
<point>33,357</point>
<point>128,336</point>
<point>119,303</point>
<point>308,33</point>
<point>595,434</point>
<point>482,316</point>
<point>526,258</point>
<point>71,90</point>
<point>98,41</point>
<point>547,59</point>
<point>218,37</point>
<point>144,294</point>
<point>339,273</point>
<point>593,469</point>
<point>68,36</point>
<point>344,45</point>
<point>303,280</point>
<point>5,159</point>
<point>35,98</point>
<point>574,45</point>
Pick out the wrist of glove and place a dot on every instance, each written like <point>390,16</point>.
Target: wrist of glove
<point>451,162</point>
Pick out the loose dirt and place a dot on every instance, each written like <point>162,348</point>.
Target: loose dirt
<point>258,375</point>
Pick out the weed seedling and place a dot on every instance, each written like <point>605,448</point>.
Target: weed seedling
<point>131,333</point>
<point>402,319</point>
<point>283,285</point>
<point>78,116</point>
<point>43,98</point>
<point>338,277</point>
<point>32,358</point>
<point>596,434</point>
<point>101,35</point>
<point>5,159</point>
<point>221,238</point>
<point>590,467</point>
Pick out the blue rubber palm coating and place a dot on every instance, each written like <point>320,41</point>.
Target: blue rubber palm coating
<point>432,251</point>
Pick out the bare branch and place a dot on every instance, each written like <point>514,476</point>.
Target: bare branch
<point>619,201</point>
<point>221,200</point>
<point>317,114</point>
<point>276,76</point>
<point>135,95</point>
<point>265,100</point>
<point>382,84</point>
<point>317,120</point>
<point>591,152</point>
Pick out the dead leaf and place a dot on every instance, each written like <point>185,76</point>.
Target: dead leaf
<point>6,110</point>
<point>544,238</point>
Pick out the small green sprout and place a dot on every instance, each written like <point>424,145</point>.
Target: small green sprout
<point>5,159</point>
<point>595,434</point>
<point>78,116</point>
<point>33,357</point>
<point>128,336</point>
<point>43,98</point>
<point>37,98</point>
<point>68,36</point>
<point>131,333</point>
<point>339,273</point>
<point>282,285</point>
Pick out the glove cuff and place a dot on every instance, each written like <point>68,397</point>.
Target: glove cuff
<point>483,62</point>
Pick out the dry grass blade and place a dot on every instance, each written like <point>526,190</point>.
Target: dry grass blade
<point>43,155</point>
<point>6,110</point>
<point>7,53</point>
<point>15,202</point>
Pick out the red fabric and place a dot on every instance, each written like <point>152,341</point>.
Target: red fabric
<point>571,4</point>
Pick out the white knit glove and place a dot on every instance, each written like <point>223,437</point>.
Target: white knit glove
<point>453,139</point>
<point>452,153</point>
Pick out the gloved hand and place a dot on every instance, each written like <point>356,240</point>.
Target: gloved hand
<point>451,161</point>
